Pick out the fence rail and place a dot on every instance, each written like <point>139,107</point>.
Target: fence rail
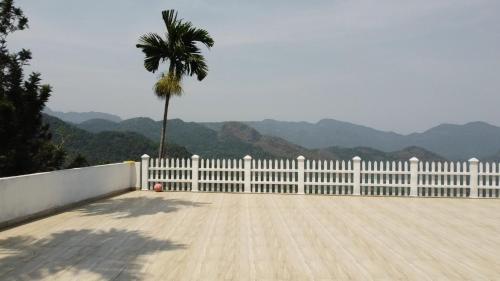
<point>301,176</point>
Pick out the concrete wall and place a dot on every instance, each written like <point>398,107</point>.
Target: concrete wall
<point>30,196</point>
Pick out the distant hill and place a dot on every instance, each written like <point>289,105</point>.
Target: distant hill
<point>274,147</point>
<point>462,142</point>
<point>493,158</point>
<point>370,154</point>
<point>104,147</point>
<point>325,133</point>
<point>456,142</point>
<point>415,151</point>
<point>196,138</point>
<point>280,148</point>
<point>236,139</point>
<point>79,117</point>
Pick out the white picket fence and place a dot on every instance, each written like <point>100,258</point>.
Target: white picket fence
<point>301,176</point>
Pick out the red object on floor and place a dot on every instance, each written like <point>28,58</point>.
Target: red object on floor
<point>158,187</point>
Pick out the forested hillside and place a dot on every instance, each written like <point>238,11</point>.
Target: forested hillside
<point>104,147</point>
<point>196,138</point>
<point>236,139</point>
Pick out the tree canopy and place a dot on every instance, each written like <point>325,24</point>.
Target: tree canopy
<point>179,47</point>
<point>25,145</point>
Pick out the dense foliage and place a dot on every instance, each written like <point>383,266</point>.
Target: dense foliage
<point>104,147</point>
<point>77,162</point>
<point>25,142</point>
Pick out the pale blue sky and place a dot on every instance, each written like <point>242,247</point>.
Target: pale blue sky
<point>390,64</point>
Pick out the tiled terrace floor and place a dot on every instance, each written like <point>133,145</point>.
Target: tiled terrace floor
<point>201,236</point>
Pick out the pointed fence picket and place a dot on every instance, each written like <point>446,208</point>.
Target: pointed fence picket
<point>301,176</point>
<point>216,175</point>
<point>489,180</point>
<point>173,174</point>
<point>329,177</point>
<point>448,179</point>
<point>273,176</point>
<point>380,178</point>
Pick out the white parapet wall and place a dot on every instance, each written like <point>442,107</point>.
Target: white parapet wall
<point>30,196</point>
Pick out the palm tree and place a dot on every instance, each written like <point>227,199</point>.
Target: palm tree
<point>180,50</point>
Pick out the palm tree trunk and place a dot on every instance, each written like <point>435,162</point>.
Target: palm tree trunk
<point>163,139</point>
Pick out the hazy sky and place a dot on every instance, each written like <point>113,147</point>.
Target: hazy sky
<point>390,64</point>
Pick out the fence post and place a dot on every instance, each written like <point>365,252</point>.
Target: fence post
<point>414,176</point>
<point>356,161</point>
<point>195,164</point>
<point>144,172</point>
<point>248,173</point>
<point>301,172</point>
<point>474,171</point>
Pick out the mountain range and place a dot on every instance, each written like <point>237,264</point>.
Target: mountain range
<point>236,139</point>
<point>454,142</point>
<point>326,139</point>
<point>79,117</point>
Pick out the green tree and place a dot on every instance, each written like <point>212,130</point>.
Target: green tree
<point>180,50</point>
<point>77,162</point>
<point>25,145</point>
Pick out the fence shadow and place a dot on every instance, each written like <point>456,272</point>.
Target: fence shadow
<point>113,254</point>
<point>137,206</point>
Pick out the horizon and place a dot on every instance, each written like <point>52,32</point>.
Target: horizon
<point>401,67</point>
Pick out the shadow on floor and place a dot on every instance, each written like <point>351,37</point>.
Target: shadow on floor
<point>137,206</point>
<point>107,254</point>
